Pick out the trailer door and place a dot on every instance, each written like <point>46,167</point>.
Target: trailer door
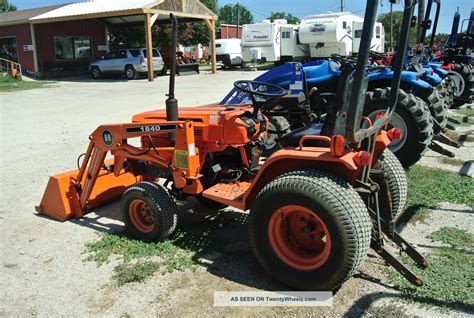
<point>287,42</point>
<point>356,36</point>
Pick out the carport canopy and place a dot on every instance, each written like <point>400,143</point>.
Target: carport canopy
<point>149,12</point>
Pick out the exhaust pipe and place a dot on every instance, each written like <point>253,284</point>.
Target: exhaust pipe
<point>172,102</point>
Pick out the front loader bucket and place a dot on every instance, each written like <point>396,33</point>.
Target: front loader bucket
<point>187,69</point>
<point>61,201</point>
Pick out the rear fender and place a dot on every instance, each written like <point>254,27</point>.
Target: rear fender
<point>409,79</point>
<point>293,159</point>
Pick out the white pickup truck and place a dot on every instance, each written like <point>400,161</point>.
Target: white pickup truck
<point>129,62</point>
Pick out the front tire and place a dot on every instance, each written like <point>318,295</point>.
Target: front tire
<point>310,230</point>
<point>149,211</point>
<point>96,73</point>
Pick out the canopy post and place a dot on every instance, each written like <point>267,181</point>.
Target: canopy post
<point>149,48</point>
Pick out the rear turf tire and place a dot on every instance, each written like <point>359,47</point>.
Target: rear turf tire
<point>336,210</point>
<point>397,181</point>
<point>416,117</point>
<point>149,211</point>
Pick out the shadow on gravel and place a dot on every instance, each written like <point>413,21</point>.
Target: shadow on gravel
<point>363,305</point>
<point>218,240</point>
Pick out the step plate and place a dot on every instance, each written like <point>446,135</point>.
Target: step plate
<point>228,193</point>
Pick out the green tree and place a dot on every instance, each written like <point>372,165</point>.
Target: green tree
<point>397,22</point>
<point>5,6</point>
<point>284,15</point>
<point>228,15</point>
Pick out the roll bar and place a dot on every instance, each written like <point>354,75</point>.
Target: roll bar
<point>349,120</point>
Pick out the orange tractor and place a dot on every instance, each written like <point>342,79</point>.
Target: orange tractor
<point>316,206</point>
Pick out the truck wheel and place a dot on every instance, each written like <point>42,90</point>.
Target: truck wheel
<point>397,181</point>
<point>412,116</point>
<point>437,106</point>
<point>96,73</point>
<point>277,127</point>
<point>149,211</point>
<point>310,230</point>
<point>463,84</point>
<point>131,73</point>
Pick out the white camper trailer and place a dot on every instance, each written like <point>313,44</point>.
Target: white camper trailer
<point>337,33</point>
<point>263,41</point>
<point>228,52</point>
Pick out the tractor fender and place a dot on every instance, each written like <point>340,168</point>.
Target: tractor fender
<point>287,160</point>
<point>408,78</point>
<point>437,69</point>
<point>430,78</point>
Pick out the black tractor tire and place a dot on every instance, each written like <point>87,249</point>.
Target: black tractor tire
<point>463,77</point>
<point>334,206</point>
<point>149,211</point>
<point>96,73</point>
<point>277,127</point>
<point>437,106</point>
<point>396,180</point>
<point>416,117</point>
<point>131,73</point>
<point>446,91</point>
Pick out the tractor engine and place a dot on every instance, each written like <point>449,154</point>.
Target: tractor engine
<point>228,139</point>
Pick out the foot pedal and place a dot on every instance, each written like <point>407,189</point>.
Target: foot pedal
<point>439,149</point>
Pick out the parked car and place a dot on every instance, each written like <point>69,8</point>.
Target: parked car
<point>130,62</point>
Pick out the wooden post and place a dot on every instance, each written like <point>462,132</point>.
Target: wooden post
<point>149,48</point>
<point>211,25</point>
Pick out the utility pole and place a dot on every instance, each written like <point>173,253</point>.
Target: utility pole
<point>421,17</point>
<point>238,19</point>
<point>391,27</point>
<point>342,5</point>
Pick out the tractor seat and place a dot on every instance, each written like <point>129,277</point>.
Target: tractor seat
<point>292,139</point>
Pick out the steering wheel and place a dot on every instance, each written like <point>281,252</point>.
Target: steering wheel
<point>253,88</point>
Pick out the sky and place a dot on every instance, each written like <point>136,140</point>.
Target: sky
<point>261,9</point>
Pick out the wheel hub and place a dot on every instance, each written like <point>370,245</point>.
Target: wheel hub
<point>141,216</point>
<point>299,237</point>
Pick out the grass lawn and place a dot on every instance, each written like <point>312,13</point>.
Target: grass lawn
<point>448,278</point>
<point>8,84</point>
<point>428,186</point>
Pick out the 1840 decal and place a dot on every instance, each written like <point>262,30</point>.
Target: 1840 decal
<point>151,128</point>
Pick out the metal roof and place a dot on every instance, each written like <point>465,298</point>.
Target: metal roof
<point>23,16</point>
<point>113,7</point>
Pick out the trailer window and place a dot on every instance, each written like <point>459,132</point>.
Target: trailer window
<point>218,45</point>
<point>358,34</point>
<point>377,32</point>
<point>285,35</point>
<point>344,24</point>
<point>72,47</point>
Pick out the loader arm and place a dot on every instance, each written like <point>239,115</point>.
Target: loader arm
<point>97,181</point>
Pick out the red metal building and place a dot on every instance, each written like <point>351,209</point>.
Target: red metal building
<point>50,49</point>
<point>229,31</point>
<point>61,40</point>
